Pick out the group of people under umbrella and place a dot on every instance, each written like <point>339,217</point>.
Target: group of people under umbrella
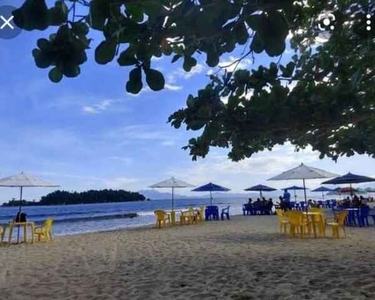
<point>302,172</point>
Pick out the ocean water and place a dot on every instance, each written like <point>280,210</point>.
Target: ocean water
<point>85,218</point>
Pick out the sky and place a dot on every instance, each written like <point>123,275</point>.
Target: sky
<point>88,133</point>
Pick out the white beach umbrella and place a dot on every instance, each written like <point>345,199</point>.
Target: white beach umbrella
<point>21,181</point>
<point>171,183</point>
<point>303,172</point>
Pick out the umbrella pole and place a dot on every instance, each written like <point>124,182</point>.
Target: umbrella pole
<point>323,195</point>
<point>351,190</point>
<point>304,191</point>
<point>295,196</point>
<point>19,215</point>
<point>211,198</point>
<point>173,215</point>
<point>261,196</point>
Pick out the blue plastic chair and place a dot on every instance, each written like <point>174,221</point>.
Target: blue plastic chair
<point>363,215</point>
<point>212,212</point>
<point>320,203</point>
<point>328,204</point>
<point>225,212</point>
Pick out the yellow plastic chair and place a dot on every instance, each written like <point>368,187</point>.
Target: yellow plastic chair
<point>298,222</point>
<point>162,218</point>
<point>283,220</point>
<point>338,222</point>
<point>44,231</point>
<point>187,217</point>
<point>198,216</point>
<point>318,220</point>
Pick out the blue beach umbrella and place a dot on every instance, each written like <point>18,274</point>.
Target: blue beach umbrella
<point>349,178</point>
<point>260,188</point>
<point>211,187</point>
<point>294,188</point>
<point>322,189</point>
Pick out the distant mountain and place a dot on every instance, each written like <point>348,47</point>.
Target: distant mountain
<point>156,195</point>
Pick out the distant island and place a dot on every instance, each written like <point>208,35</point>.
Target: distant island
<point>88,197</point>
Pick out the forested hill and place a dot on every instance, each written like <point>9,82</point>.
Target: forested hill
<point>92,196</point>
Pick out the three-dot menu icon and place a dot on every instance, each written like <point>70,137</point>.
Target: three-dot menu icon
<point>368,22</point>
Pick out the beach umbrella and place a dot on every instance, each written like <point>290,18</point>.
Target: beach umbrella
<point>172,184</point>
<point>303,172</point>
<point>294,188</point>
<point>260,188</point>
<point>349,179</point>
<point>211,187</point>
<point>322,189</point>
<point>22,181</point>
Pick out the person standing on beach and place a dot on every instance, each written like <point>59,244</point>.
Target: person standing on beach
<point>286,198</point>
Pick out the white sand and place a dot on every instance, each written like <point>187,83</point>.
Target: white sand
<point>245,258</point>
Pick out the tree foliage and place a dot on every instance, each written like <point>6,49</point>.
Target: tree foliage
<point>323,96</point>
<point>91,196</point>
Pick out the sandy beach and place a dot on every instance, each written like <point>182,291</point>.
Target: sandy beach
<point>245,258</point>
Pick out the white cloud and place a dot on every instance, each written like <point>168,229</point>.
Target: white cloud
<point>182,74</point>
<point>99,107</point>
<point>168,143</point>
<point>238,175</point>
<point>172,87</point>
<point>231,64</point>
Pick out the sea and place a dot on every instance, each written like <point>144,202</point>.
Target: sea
<point>85,218</point>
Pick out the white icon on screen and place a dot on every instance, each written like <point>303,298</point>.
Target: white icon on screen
<point>368,22</point>
<point>326,21</point>
<point>6,22</point>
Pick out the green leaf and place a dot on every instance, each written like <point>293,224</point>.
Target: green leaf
<point>33,14</point>
<point>58,14</point>
<point>127,58</point>
<point>257,44</point>
<point>189,62</point>
<point>241,33</point>
<point>99,10</point>
<point>71,70</point>
<point>213,58</point>
<point>42,60</point>
<point>55,75</point>
<point>105,52</point>
<point>134,84</point>
<point>155,79</point>
<point>176,57</point>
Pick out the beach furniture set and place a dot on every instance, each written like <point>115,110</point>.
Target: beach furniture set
<point>42,232</point>
<point>311,223</point>
<point>192,216</point>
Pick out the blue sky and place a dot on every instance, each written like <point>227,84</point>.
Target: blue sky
<point>87,133</point>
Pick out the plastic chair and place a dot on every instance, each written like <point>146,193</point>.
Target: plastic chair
<point>198,214</point>
<point>212,213</point>
<point>162,218</point>
<point>45,230</point>
<point>298,222</point>
<point>363,215</point>
<point>225,211</point>
<point>283,220</point>
<point>187,217</point>
<point>318,219</point>
<point>338,222</point>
